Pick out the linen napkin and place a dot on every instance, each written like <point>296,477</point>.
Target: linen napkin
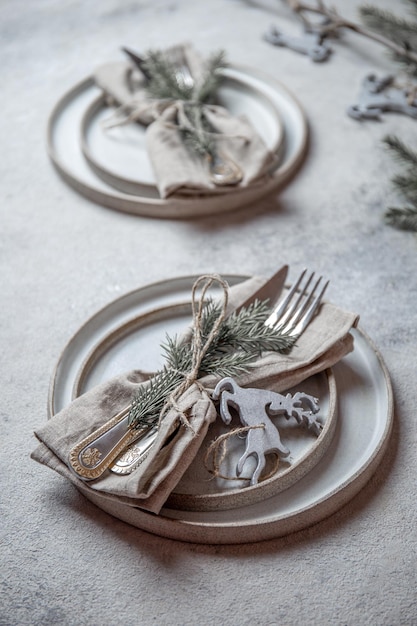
<point>179,170</point>
<point>325,341</point>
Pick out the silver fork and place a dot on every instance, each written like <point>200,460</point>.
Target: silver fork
<point>293,314</point>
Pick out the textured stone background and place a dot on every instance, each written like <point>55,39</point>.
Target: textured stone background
<point>62,258</point>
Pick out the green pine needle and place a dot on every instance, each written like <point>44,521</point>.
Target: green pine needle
<point>241,338</point>
<point>400,151</point>
<point>212,79</point>
<point>403,219</point>
<point>401,31</point>
<point>406,183</point>
<point>163,84</point>
<point>148,402</point>
<point>388,24</point>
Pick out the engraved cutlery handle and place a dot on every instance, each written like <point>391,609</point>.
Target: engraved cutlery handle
<point>223,171</point>
<point>92,456</point>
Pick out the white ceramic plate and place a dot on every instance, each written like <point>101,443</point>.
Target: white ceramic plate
<point>365,413</point>
<point>65,151</point>
<point>119,155</point>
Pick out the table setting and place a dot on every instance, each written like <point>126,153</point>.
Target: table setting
<point>124,155</point>
<point>208,319</point>
<point>159,460</point>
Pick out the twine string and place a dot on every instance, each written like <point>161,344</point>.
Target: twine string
<point>128,113</point>
<point>217,452</point>
<point>199,347</point>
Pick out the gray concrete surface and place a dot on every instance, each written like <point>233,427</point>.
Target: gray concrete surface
<point>63,561</point>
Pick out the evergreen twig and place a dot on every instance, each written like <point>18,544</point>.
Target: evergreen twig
<point>401,31</point>
<point>407,185</point>
<point>242,337</point>
<point>335,22</point>
<point>212,78</point>
<point>403,218</point>
<point>163,84</point>
<point>400,151</point>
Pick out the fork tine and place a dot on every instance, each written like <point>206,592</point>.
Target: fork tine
<point>295,311</point>
<point>300,306</point>
<point>280,308</point>
<point>311,311</point>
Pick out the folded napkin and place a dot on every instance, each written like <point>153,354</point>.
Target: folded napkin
<point>325,341</point>
<point>177,168</point>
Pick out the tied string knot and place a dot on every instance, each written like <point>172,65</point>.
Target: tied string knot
<point>217,452</point>
<point>175,114</point>
<point>198,344</point>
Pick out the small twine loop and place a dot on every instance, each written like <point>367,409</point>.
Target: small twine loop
<point>218,451</point>
<point>121,116</point>
<point>129,113</point>
<point>199,348</point>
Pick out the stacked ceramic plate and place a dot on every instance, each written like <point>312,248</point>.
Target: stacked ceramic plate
<point>114,170</point>
<point>321,475</point>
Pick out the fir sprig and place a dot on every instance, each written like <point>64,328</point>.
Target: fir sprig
<point>400,151</point>
<point>198,133</point>
<point>403,218</point>
<point>149,401</point>
<point>241,338</point>
<point>211,81</point>
<point>397,34</point>
<point>164,80</point>
<point>399,30</point>
<point>164,83</point>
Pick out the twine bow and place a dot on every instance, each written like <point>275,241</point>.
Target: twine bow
<point>199,347</point>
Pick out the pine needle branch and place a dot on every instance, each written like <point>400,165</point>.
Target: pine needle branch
<point>407,185</point>
<point>400,151</point>
<point>387,23</point>
<point>229,364</point>
<point>212,78</point>
<point>401,31</point>
<point>163,83</point>
<point>242,337</point>
<point>198,133</point>
<point>403,219</point>
<point>335,22</point>
<point>151,397</point>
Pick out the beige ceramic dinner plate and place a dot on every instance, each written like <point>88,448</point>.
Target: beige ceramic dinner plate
<point>65,151</point>
<point>364,409</point>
